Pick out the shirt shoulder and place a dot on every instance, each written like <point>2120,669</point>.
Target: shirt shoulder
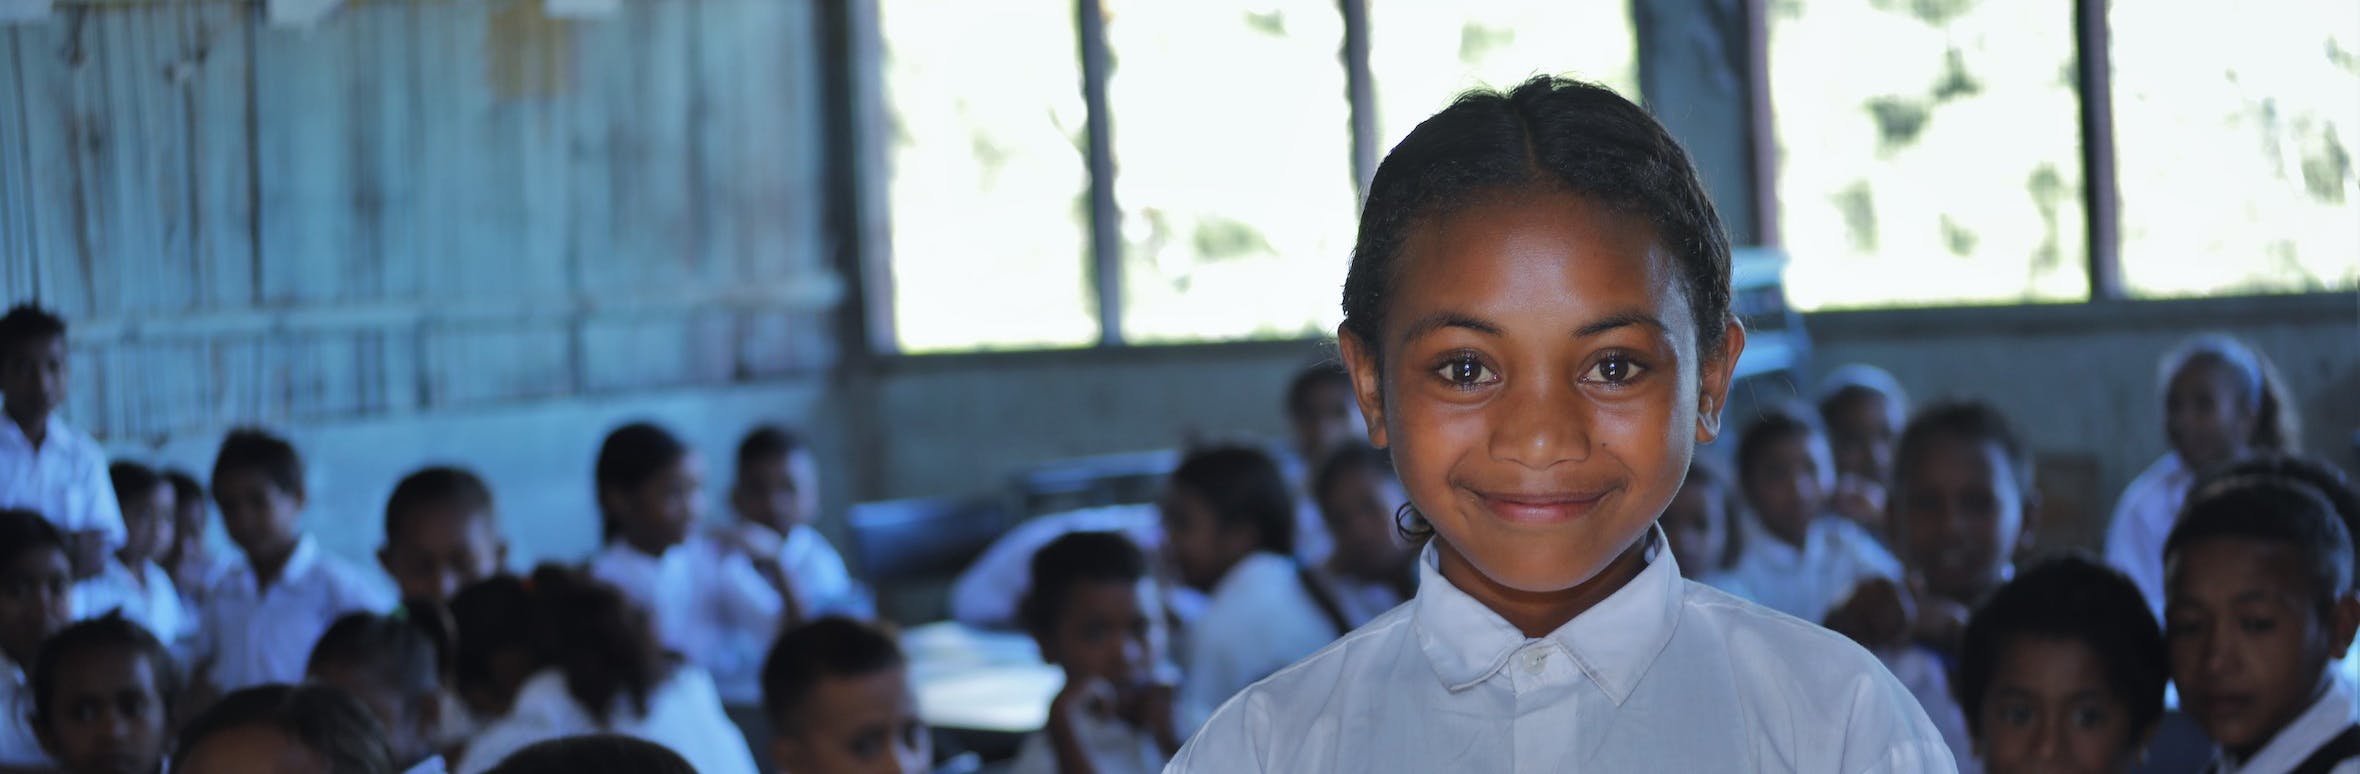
<point>1236,737</point>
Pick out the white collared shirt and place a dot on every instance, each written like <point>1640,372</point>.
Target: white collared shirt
<point>1921,671</point>
<point>1258,620</point>
<point>2327,718</point>
<point>145,595</point>
<point>432,765</point>
<point>815,572</point>
<point>2143,519</point>
<point>1113,747</point>
<point>683,714</point>
<point>255,636</point>
<point>1662,675</point>
<point>1809,581</point>
<point>65,480</point>
<point>707,604</point>
<point>18,746</point>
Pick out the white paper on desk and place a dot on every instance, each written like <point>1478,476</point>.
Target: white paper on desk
<point>24,10</point>
<point>300,13</point>
<point>581,9</point>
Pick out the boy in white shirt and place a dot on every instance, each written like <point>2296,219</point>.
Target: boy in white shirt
<point>45,466</point>
<point>777,499</point>
<point>1094,610</point>
<point>838,696</point>
<point>1374,567</point>
<point>267,609</point>
<point>133,583</point>
<point>1537,323</point>
<point>34,602</point>
<point>1798,559</point>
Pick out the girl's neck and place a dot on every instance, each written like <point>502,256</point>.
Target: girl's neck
<point>269,564</point>
<point>1537,613</point>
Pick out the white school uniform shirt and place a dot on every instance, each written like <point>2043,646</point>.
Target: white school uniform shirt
<point>988,591</point>
<point>707,604</point>
<point>2327,718</point>
<point>145,595</point>
<point>1258,619</point>
<point>817,575</point>
<point>65,480</point>
<point>432,765</point>
<point>1920,671</point>
<point>18,746</point>
<point>1113,747</point>
<point>2143,519</point>
<point>1663,675</point>
<point>1807,581</point>
<point>683,714</point>
<point>255,636</point>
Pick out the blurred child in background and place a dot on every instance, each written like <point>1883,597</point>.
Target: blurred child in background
<point>2062,669</point>
<point>1862,408</point>
<point>284,729</point>
<point>1374,566</point>
<point>47,467</point>
<point>1094,611</point>
<point>35,600</point>
<point>103,692</point>
<point>392,667</point>
<point>838,697</point>
<point>132,582</point>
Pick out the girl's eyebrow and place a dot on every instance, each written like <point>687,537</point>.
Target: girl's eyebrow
<point>1619,320</point>
<point>1440,320</point>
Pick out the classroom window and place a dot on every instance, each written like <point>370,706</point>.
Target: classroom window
<point>1230,132</point>
<point>2236,165</point>
<point>1929,153</point>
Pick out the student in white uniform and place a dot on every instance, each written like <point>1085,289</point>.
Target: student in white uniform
<point>190,557</point>
<point>2222,400</point>
<point>442,534</point>
<point>389,663</point>
<point>566,655</point>
<point>1094,612</point>
<point>35,600</point>
<point>267,609</point>
<point>45,466</point>
<point>707,600</point>
<point>1862,408</point>
<point>1537,324</point>
<point>132,582</point>
<point>776,498</point>
<point>1321,418</point>
<point>279,727</point>
<point>1374,567</point>
<point>2062,669</point>
<point>1799,559</point>
<point>102,696</point>
<point>838,697</point>
<point>1229,529</point>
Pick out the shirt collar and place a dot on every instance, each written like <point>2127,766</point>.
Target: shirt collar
<point>299,564</point>
<point>2326,718</point>
<point>1614,642</point>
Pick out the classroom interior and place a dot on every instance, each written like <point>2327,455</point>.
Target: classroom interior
<point>1004,260</point>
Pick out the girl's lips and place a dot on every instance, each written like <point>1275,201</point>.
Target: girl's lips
<point>1541,508</point>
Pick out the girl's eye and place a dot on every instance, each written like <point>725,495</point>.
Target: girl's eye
<point>2016,715</point>
<point>2257,625</point>
<point>1615,369</point>
<point>2089,717</point>
<point>1465,371</point>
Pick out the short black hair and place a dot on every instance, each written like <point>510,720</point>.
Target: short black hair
<point>29,321</point>
<point>393,652</point>
<point>768,442</point>
<point>631,455</point>
<point>23,532</point>
<point>2078,599</point>
<point>326,720</point>
<point>1072,560</point>
<point>828,647</point>
<point>1775,424</point>
<point>431,486</point>
<point>602,643</point>
<point>1245,488</point>
<point>594,754</point>
<point>110,632</point>
<point>1347,458</point>
<point>132,480</point>
<point>185,488</point>
<point>1314,376</point>
<point>1549,133</point>
<point>1972,421</point>
<point>2309,471</point>
<point>2273,509</point>
<point>253,448</point>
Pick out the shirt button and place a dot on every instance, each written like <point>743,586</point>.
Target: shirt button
<point>1535,660</point>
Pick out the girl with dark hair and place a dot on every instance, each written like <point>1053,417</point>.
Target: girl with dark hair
<point>563,654</point>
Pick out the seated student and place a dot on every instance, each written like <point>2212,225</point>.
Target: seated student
<point>1537,323</point>
<point>565,654</point>
<point>1094,610</point>
<point>390,665</point>
<point>720,615</point>
<point>1862,408</point>
<point>1701,525</point>
<point>35,600</point>
<point>1963,506</point>
<point>132,582</point>
<point>837,693</point>
<point>2061,669</point>
<point>777,499</point>
<point>595,754</point>
<point>2258,601</point>
<point>47,467</point>
<point>1228,527</point>
<point>1799,560</point>
<point>441,534</point>
<point>265,610</point>
<point>284,729</point>
<point>2222,400</point>
<point>1321,418</point>
<point>102,697</point>
<point>2316,473</point>
<point>188,558</point>
<point>988,592</point>
<point>1374,567</point>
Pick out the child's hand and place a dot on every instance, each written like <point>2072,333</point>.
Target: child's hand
<point>1941,622</point>
<point>1090,695</point>
<point>1879,614</point>
<point>1149,706</point>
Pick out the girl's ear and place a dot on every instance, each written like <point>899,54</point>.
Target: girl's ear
<point>2345,618</point>
<point>1714,375</point>
<point>1367,383</point>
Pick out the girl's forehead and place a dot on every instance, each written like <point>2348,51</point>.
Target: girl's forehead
<point>1546,252</point>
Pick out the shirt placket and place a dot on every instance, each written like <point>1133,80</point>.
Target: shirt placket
<point>1541,676</point>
